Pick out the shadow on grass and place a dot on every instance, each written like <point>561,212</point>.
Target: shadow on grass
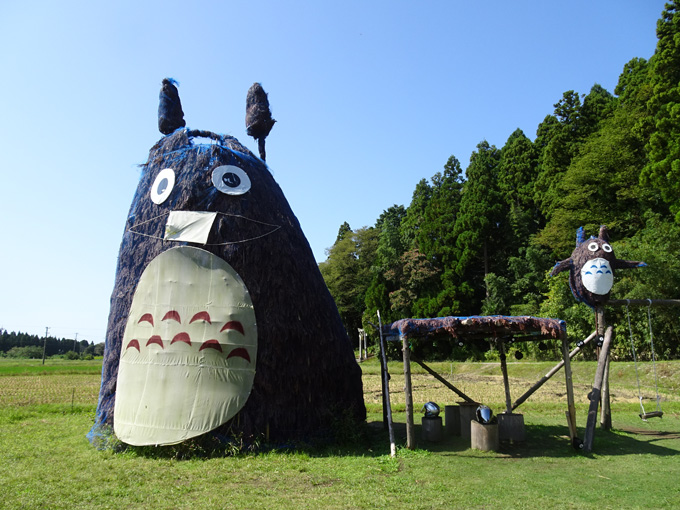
<point>372,440</point>
<point>541,441</point>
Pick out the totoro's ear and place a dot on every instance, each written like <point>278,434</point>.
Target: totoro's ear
<point>580,236</point>
<point>604,233</point>
<point>259,121</point>
<point>170,114</point>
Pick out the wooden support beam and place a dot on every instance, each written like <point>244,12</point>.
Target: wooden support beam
<point>596,391</point>
<point>571,407</point>
<point>550,373</point>
<point>605,409</point>
<point>504,371</point>
<point>408,394</point>
<point>442,380</point>
<point>644,302</point>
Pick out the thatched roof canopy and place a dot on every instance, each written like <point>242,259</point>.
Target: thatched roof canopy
<point>467,328</point>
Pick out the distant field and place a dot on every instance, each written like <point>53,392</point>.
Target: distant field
<point>46,461</point>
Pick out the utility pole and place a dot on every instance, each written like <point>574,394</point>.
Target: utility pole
<point>75,343</point>
<point>45,343</point>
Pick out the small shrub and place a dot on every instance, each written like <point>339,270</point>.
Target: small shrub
<point>30,352</point>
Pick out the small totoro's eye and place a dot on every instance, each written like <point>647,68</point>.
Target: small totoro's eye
<point>231,180</point>
<point>162,186</point>
<point>607,248</point>
<point>593,246</point>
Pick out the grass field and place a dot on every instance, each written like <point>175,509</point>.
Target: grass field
<point>46,461</point>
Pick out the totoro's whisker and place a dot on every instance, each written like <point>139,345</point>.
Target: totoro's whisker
<point>274,228</point>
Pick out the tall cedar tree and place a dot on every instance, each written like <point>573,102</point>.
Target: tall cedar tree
<point>387,268</point>
<point>481,226</point>
<point>560,136</point>
<point>516,175</point>
<point>437,241</point>
<point>663,149</point>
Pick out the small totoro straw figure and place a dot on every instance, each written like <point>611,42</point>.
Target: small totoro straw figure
<point>591,268</point>
<point>220,323</point>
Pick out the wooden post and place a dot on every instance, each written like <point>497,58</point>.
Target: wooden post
<point>384,378</point>
<point>408,394</point>
<point>45,345</point>
<point>361,352</point>
<point>606,410</point>
<point>504,370</point>
<point>387,405</point>
<point>571,408</point>
<point>550,373</point>
<point>606,414</point>
<point>597,390</point>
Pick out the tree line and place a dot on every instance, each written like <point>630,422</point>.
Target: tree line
<point>24,345</point>
<point>482,241</point>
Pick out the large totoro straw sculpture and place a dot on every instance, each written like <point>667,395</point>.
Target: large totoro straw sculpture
<point>220,321</point>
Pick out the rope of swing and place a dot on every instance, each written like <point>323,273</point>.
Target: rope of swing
<point>632,346</point>
<point>651,341</point>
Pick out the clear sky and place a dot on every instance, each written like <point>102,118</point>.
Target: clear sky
<point>370,97</point>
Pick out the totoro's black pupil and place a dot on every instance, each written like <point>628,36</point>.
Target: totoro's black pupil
<point>231,179</point>
<point>162,186</point>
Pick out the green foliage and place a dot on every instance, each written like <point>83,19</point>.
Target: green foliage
<point>663,148</point>
<point>347,273</point>
<point>601,186</point>
<point>633,89</point>
<point>480,228</point>
<point>29,352</point>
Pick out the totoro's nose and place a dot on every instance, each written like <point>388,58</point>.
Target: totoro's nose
<point>189,226</point>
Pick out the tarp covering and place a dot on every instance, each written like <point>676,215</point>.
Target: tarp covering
<point>189,349</point>
<point>492,326</point>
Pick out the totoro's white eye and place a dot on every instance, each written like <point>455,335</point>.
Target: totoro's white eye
<point>231,180</point>
<point>162,185</point>
<point>593,246</point>
<point>607,248</point>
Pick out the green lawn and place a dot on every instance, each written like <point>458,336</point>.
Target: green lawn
<point>46,461</point>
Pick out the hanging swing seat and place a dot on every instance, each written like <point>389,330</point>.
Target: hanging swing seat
<point>652,414</point>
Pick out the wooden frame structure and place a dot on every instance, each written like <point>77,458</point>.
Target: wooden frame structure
<point>600,393</point>
<point>502,330</point>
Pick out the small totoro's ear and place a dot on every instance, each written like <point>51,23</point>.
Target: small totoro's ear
<point>580,236</point>
<point>170,114</point>
<point>604,233</point>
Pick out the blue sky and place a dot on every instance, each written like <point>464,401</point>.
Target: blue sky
<point>370,97</point>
